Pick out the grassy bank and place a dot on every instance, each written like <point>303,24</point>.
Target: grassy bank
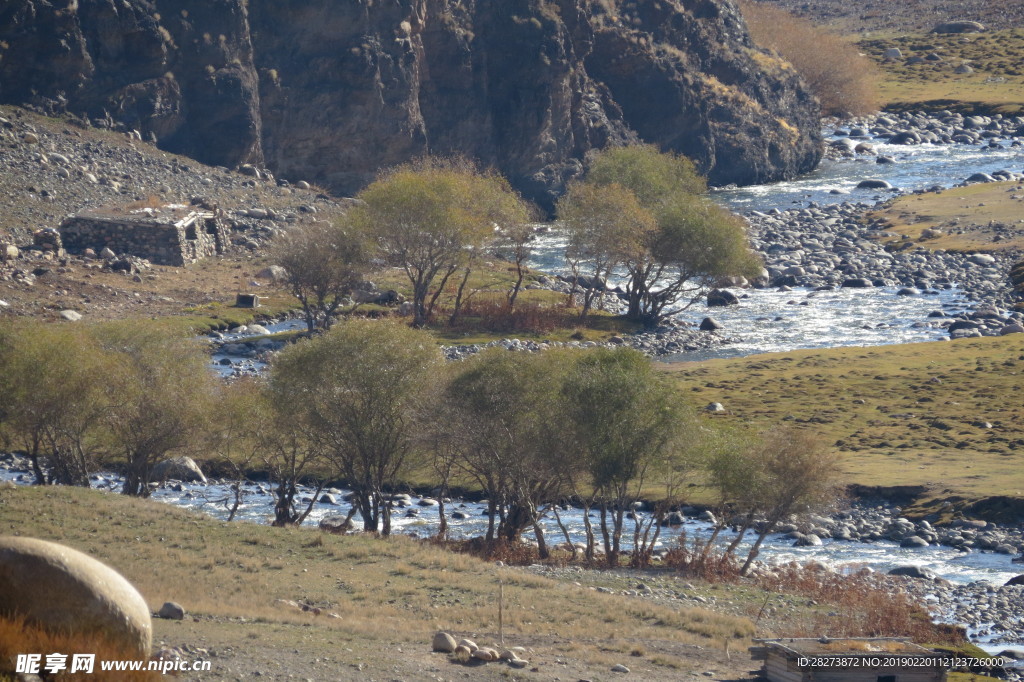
<point>995,84</point>
<point>943,417</point>
<point>980,217</point>
<point>388,596</point>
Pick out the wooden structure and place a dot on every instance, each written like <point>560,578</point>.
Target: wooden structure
<point>848,660</point>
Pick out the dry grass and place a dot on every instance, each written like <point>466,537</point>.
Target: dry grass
<point>398,588</point>
<point>843,80</point>
<point>868,609</point>
<point>970,218</point>
<point>19,637</point>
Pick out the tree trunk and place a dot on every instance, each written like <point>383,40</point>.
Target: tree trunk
<point>747,523</point>
<point>752,554</point>
<point>515,288</point>
<point>565,533</point>
<point>542,546</point>
<point>442,519</point>
<point>385,514</point>
<point>457,308</point>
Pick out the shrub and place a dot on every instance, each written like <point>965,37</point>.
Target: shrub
<point>842,78</point>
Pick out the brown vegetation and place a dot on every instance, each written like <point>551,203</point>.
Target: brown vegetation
<point>19,637</point>
<point>842,78</point>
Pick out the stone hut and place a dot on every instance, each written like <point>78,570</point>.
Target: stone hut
<point>848,660</point>
<point>173,234</point>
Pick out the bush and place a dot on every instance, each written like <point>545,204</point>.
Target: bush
<point>842,78</point>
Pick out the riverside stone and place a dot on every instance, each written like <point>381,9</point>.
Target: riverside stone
<point>180,468</point>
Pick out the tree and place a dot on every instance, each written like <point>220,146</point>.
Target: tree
<point>428,217</point>
<point>323,263</point>
<point>52,398</point>
<point>794,473</point>
<point>158,396</point>
<point>506,408</point>
<point>360,392</point>
<point>607,227</point>
<point>237,432</point>
<point>691,244</point>
<point>516,239</point>
<point>628,424</point>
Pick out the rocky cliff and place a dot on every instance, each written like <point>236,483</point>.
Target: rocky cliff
<point>332,90</point>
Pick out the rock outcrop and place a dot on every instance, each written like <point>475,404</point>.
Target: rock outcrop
<point>333,91</point>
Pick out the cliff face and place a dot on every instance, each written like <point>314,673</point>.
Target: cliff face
<point>333,90</point>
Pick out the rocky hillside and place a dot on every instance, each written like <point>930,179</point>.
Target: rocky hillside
<point>331,91</point>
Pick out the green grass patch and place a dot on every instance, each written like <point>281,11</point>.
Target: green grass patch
<point>943,417</point>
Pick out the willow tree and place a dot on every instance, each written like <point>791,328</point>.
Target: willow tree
<point>361,391</point>
<point>607,227</point>
<point>794,473</point>
<point>692,244</point>
<point>159,393</point>
<point>431,218</point>
<point>506,408</point>
<point>51,397</point>
<point>629,427</point>
<point>323,263</point>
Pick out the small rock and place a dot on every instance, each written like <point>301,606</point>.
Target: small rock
<point>619,668</point>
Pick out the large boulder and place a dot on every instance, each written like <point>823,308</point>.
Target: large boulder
<point>959,27</point>
<point>60,589</point>
<point>179,469</point>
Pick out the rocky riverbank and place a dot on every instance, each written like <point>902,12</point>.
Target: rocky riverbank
<point>828,247</point>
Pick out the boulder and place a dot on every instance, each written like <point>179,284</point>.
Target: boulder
<point>443,642</point>
<point>913,541</point>
<point>709,324</point>
<point>60,589</point>
<point>892,53</point>
<point>171,611</point>
<point>959,27</point>
<point>179,468</point>
<point>275,273</point>
<point>70,315</point>
<point>486,654</point>
<point>336,524</point>
<point>913,572</point>
<point>857,283</point>
<point>1012,329</point>
<point>874,184</point>
<point>809,540</point>
<point>8,252</point>
<point>721,297</point>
